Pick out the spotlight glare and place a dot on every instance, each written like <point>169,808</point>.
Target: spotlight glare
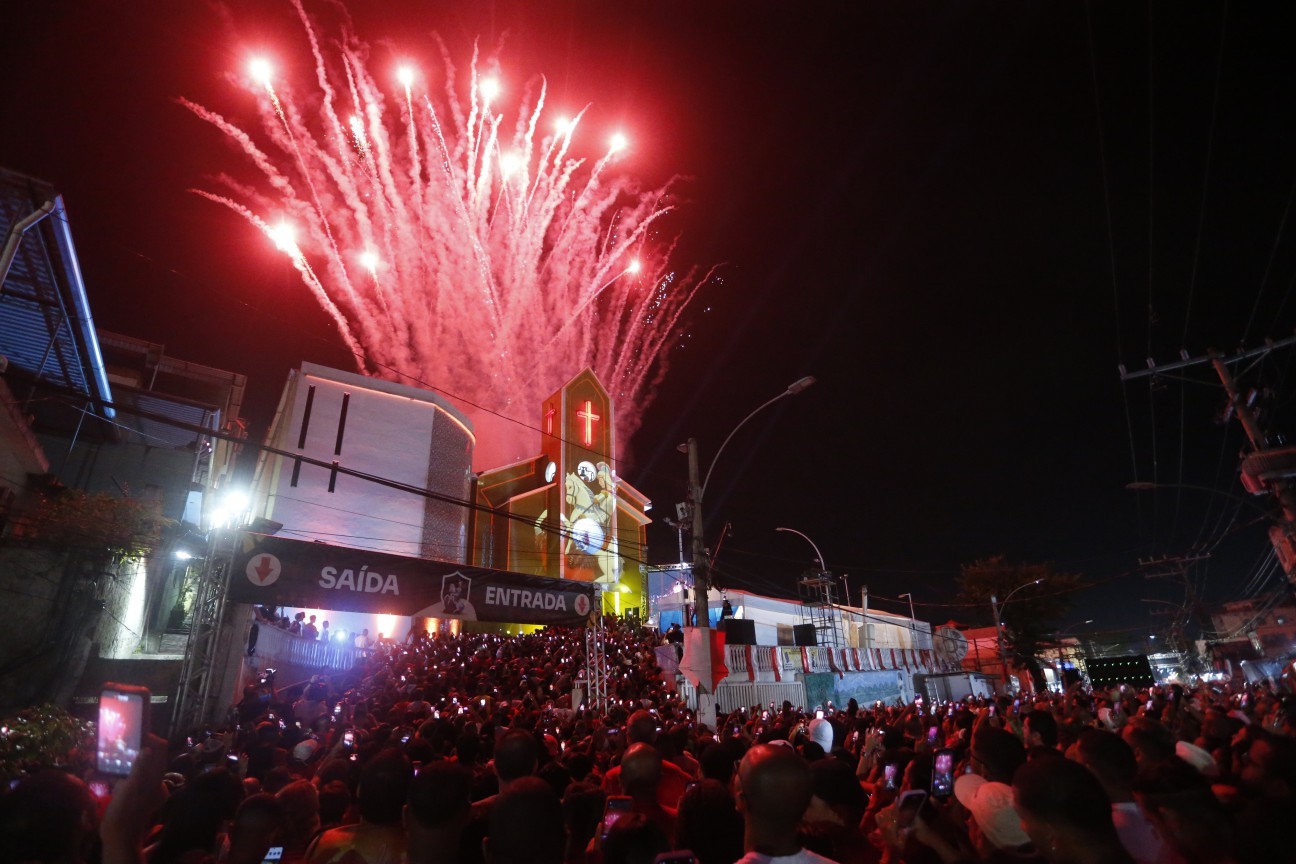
<point>490,88</point>
<point>619,142</point>
<point>405,75</point>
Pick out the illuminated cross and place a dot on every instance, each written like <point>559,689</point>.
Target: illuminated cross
<point>589,417</point>
<point>549,418</point>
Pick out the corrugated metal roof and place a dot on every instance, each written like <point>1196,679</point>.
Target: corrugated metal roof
<point>46,329</point>
<point>158,432</point>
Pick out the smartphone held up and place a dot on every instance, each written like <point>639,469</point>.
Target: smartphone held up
<point>123,723</point>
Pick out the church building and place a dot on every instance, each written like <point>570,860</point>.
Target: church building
<point>565,513</point>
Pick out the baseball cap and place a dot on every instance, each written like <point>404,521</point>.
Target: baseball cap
<point>991,805</point>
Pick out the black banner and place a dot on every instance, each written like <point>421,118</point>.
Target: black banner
<point>276,571</point>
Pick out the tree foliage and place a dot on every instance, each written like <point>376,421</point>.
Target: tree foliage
<point>44,736</point>
<point>1034,613</point>
<point>120,527</point>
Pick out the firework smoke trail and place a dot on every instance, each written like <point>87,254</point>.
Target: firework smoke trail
<point>491,264</point>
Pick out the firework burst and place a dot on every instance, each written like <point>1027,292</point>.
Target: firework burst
<point>455,248</point>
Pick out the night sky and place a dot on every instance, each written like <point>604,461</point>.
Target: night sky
<point>959,217</point>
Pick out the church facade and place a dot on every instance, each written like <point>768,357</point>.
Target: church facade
<point>565,512</point>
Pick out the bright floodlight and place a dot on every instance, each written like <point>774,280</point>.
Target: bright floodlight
<point>619,142</point>
<point>634,267</point>
<point>490,88</point>
<point>509,162</point>
<point>183,554</point>
<point>261,70</point>
<point>369,259</point>
<point>405,75</point>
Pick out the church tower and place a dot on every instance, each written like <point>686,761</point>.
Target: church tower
<point>566,513</point>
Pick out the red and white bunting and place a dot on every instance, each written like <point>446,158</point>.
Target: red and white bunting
<point>832,664</point>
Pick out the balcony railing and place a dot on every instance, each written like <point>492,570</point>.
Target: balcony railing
<point>276,646</point>
<point>776,662</point>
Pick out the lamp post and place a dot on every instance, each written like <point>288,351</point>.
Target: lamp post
<point>996,607</point>
<point>701,565</point>
<point>1146,486</point>
<point>1067,629</point>
<point>913,621</point>
<point>819,559</point>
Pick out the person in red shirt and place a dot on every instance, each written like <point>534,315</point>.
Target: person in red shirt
<point>641,728</point>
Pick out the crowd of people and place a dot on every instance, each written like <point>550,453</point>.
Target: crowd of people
<point>470,748</point>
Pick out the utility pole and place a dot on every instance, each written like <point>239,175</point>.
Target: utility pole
<point>706,710</point>
<point>706,704</point>
<point>1265,468</point>
<point>701,578</point>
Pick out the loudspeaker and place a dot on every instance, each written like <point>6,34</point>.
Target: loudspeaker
<point>804,635</point>
<point>739,631</point>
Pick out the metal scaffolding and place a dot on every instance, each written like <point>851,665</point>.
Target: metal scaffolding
<point>197,671</point>
<point>596,671</point>
<point>817,590</point>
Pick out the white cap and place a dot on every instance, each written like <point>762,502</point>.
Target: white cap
<point>821,732</point>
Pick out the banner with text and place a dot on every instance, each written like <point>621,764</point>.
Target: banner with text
<point>276,571</point>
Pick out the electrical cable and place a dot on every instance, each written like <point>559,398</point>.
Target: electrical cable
<point>1210,150</point>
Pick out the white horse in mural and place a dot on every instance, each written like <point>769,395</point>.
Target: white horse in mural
<point>588,525</point>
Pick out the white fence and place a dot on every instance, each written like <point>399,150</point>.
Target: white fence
<point>733,696</point>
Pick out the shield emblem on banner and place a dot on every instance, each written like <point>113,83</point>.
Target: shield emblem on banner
<point>456,591</point>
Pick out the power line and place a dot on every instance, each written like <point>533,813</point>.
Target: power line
<point>562,533</point>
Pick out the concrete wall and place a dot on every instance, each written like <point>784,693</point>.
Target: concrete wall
<point>52,616</point>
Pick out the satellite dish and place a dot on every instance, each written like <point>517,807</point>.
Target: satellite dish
<point>950,644</point>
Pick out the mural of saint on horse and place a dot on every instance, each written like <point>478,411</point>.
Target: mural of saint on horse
<point>565,512</point>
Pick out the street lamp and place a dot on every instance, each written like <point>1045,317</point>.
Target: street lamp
<point>1146,486</point>
<point>995,607</point>
<point>1071,627</point>
<point>819,559</point>
<point>701,576</point>
<point>913,623</point>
